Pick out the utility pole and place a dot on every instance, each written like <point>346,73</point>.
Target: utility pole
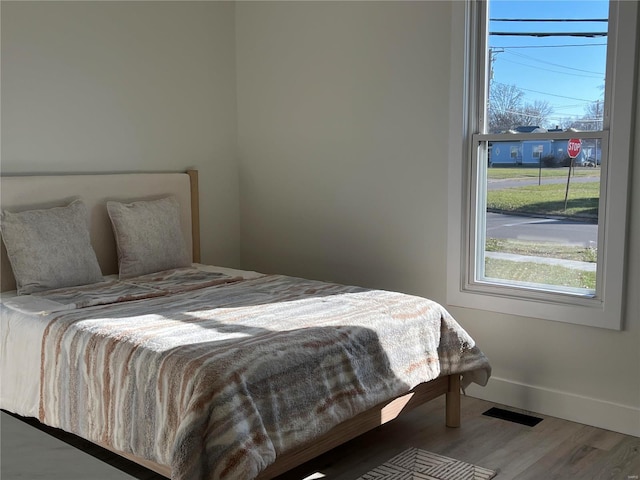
<point>492,56</point>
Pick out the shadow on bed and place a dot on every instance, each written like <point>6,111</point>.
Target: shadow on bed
<point>272,389</point>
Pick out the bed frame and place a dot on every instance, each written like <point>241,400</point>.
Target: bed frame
<point>27,192</point>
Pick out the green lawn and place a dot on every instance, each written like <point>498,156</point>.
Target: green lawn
<point>541,249</point>
<point>539,273</point>
<point>527,172</point>
<point>543,200</point>
<point>547,199</point>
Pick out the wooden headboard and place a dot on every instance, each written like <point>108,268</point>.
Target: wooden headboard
<point>26,192</point>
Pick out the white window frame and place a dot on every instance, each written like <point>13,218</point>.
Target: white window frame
<point>606,308</point>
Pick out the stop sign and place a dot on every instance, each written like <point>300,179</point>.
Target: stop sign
<point>573,147</point>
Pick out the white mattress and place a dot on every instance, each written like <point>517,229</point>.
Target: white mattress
<point>21,342</point>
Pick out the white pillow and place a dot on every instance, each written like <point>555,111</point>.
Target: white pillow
<point>148,236</point>
<point>50,248</point>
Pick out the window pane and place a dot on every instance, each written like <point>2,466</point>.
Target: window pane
<point>546,75</point>
<point>546,64</point>
<point>540,225</point>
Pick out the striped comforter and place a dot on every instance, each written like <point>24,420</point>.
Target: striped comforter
<point>217,381</point>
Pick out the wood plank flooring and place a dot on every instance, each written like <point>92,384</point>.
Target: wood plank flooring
<point>554,449</point>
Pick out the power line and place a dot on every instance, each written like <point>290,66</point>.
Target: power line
<point>576,118</point>
<point>556,46</point>
<point>573,106</point>
<point>549,19</point>
<point>555,64</point>
<point>549,94</point>
<point>549,34</point>
<point>553,71</point>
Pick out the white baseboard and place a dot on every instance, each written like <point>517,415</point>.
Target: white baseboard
<point>589,411</point>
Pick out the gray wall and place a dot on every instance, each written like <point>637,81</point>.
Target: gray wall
<point>342,125</point>
<point>343,145</point>
<point>126,86</point>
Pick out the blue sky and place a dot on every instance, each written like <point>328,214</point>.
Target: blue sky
<point>568,72</point>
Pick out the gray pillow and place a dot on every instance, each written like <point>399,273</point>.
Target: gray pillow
<point>148,236</point>
<point>50,248</point>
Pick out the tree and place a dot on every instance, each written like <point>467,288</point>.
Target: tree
<point>592,118</point>
<point>593,115</point>
<point>536,113</point>
<point>507,110</point>
<point>504,103</point>
<point>566,123</point>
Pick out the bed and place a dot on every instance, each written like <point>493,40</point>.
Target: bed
<point>198,371</point>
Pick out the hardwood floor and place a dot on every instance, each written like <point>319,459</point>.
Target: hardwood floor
<point>552,450</point>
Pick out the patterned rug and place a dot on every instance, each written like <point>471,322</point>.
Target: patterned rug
<point>416,464</point>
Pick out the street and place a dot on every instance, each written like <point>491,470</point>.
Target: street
<point>561,231</point>
<point>495,184</point>
<point>566,232</point>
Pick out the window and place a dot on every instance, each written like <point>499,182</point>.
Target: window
<point>536,152</point>
<point>541,232</point>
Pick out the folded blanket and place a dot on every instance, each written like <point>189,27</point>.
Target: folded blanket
<point>115,291</point>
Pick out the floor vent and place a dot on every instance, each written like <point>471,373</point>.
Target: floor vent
<point>515,417</point>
